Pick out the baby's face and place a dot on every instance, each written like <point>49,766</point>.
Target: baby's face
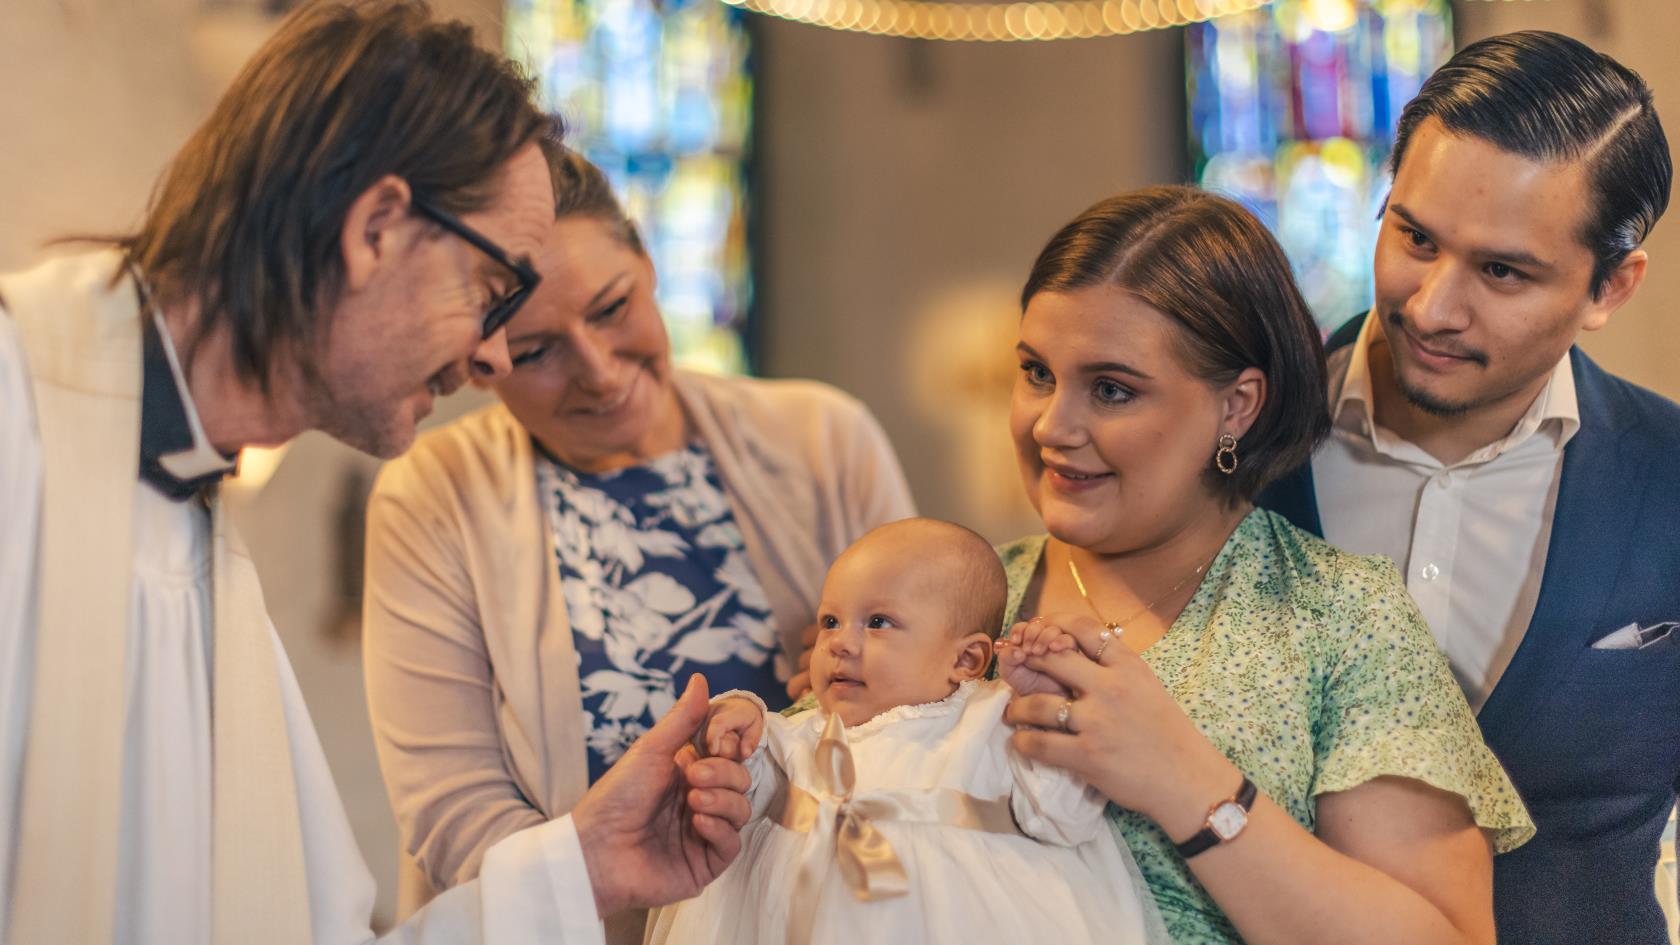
<point>885,633</point>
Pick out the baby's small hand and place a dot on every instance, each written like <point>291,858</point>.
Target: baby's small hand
<point>733,728</point>
<point>1033,638</point>
<point>1040,636</point>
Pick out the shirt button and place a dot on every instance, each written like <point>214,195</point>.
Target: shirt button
<point>1430,572</point>
<point>1443,478</point>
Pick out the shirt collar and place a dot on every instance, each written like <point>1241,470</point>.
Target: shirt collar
<point>176,456</point>
<point>1555,410</point>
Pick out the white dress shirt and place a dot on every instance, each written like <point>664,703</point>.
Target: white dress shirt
<point>533,888</point>
<point>1470,536</point>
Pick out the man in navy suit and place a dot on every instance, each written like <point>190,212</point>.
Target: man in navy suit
<point>1531,499</point>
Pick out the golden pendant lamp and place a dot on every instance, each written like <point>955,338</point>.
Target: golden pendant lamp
<point>993,22</point>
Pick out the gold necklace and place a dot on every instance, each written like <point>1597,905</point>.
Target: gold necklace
<point>1115,625</point>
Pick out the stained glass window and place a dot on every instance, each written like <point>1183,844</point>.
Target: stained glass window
<point>1292,112</point>
<point>659,95</point>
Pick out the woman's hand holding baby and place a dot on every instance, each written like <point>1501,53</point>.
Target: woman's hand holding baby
<point>1123,732</point>
<point>1034,638</point>
<point>733,728</point>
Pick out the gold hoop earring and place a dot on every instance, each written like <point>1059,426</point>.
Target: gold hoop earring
<point>1225,458</point>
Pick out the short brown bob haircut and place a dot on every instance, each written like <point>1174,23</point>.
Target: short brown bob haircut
<point>1214,270</point>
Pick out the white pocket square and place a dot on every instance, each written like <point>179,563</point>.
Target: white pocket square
<point>1635,637</point>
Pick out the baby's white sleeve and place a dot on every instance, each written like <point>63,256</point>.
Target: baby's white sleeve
<point>1052,805</point>
<point>767,775</point>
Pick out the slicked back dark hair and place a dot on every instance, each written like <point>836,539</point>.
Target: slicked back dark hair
<point>246,221</point>
<point>1215,271</point>
<point>1551,98</point>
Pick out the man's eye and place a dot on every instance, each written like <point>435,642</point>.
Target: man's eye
<point>1502,272</point>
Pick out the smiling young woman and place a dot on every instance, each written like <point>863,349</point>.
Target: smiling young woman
<point>1237,679</point>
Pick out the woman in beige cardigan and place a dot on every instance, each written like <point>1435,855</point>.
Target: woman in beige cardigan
<point>544,574</point>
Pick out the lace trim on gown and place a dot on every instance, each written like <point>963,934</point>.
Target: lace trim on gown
<point>900,713</point>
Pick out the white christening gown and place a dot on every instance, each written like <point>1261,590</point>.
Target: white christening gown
<point>989,846</point>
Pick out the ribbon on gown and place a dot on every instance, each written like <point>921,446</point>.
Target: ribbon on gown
<point>868,864</point>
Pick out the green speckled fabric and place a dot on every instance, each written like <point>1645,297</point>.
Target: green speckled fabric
<point>1313,671</point>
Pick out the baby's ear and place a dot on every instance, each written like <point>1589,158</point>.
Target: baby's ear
<point>973,659</point>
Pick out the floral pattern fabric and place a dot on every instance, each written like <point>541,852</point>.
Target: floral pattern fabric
<point>1313,671</point>
<point>658,585</point>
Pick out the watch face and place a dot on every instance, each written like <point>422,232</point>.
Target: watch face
<point>1228,820</point>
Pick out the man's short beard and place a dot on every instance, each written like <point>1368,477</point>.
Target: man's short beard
<point>353,430</point>
<point>357,427</point>
<point>1433,406</point>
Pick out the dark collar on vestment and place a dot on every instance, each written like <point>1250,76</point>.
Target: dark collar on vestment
<point>173,459</point>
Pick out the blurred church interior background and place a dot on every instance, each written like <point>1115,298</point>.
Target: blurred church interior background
<point>824,203</point>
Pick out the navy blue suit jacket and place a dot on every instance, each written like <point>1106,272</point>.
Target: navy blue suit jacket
<point>1591,737</point>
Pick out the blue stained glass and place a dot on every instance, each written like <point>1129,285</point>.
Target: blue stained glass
<point>658,93</point>
<point>1292,113</point>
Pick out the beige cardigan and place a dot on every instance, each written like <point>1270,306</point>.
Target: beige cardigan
<point>471,676</point>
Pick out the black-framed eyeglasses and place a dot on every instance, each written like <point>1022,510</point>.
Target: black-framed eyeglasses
<point>505,307</point>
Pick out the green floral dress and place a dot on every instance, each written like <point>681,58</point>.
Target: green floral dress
<point>1313,671</point>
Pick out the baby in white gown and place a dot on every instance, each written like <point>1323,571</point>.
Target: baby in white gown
<point>896,812</point>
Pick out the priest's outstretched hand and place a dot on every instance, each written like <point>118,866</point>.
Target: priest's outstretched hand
<point>662,822</point>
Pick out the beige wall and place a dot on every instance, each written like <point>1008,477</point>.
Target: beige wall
<point>94,98</point>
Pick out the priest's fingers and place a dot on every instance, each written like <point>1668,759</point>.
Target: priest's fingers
<point>729,806</point>
<point>722,839</point>
<point>685,756</point>
<point>724,773</point>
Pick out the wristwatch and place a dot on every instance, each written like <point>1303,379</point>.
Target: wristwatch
<point>1224,821</point>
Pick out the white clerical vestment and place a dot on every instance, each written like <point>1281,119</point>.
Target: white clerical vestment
<point>159,884</point>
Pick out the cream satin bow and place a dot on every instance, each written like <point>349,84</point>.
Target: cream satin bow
<point>868,864</point>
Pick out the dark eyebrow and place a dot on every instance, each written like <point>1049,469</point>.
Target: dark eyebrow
<point>1514,257</point>
<point>1095,367</point>
<point>1407,216</point>
<point>1115,367</point>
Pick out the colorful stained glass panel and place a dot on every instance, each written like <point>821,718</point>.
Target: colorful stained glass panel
<point>1293,111</point>
<point>659,95</point>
